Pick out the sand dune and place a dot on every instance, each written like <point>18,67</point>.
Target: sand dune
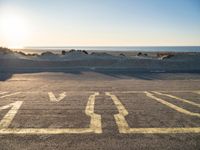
<point>186,62</point>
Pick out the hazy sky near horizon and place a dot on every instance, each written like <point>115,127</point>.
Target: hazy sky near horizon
<point>99,22</point>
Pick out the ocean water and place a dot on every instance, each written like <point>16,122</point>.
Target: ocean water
<point>119,48</point>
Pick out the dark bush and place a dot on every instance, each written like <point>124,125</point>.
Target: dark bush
<point>85,52</point>
<point>145,54</point>
<point>47,53</point>
<point>122,54</point>
<point>4,50</point>
<point>63,52</point>
<point>139,54</point>
<point>72,50</point>
<point>21,53</point>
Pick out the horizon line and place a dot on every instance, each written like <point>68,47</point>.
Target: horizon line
<point>111,46</point>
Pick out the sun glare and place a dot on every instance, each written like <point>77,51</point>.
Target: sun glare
<point>13,29</point>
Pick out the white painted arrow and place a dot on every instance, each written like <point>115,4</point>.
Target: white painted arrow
<point>53,97</point>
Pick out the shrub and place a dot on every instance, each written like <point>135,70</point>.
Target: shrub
<point>63,52</point>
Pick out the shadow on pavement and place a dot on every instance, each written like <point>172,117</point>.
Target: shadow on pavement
<point>117,73</point>
<point>144,70</point>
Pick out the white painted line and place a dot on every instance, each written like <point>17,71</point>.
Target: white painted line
<point>178,98</point>
<point>179,109</point>
<point>7,119</point>
<point>3,92</point>
<point>124,128</point>
<point>10,94</point>
<point>94,127</point>
<point>53,98</point>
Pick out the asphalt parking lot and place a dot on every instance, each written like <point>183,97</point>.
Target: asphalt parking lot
<point>100,111</point>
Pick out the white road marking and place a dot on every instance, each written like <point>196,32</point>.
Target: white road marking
<point>124,127</point>
<point>179,109</point>
<point>7,119</point>
<point>10,94</point>
<point>178,98</point>
<point>94,127</point>
<point>54,99</point>
<point>3,92</point>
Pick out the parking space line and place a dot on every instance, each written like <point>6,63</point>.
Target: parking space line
<point>120,117</point>
<point>164,130</point>
<point>10,94</point>
<point>197,92</point>
<point>3,92</point>
<point>90,92</point>
<point>35,131</point>
<point>53,98</point>
<point>179,109</point>
<point>174,91</point>
<point>94,127</point>
<point>123,126</point>
<point>178,98</point>
<point>127,91</point>
<point>95,122</point>
<point>7,119</point>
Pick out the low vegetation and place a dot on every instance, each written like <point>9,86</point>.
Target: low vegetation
<point>159,55</point>
<point>142,54</point>
<point>164,55</point>
<point>4,50</point>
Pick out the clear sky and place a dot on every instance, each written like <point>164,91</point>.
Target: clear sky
<point>99,22</point>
